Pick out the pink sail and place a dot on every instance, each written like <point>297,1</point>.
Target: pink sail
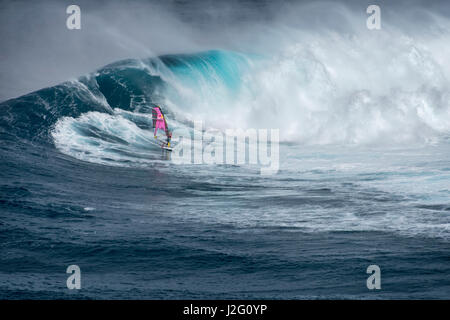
<point>158,121</point>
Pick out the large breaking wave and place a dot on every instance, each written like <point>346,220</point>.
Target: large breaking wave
<point>327,88</point>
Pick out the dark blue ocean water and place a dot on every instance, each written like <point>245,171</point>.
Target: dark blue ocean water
<point>76,191</point>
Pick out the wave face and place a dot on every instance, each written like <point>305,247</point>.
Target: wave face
<point>99,109</point>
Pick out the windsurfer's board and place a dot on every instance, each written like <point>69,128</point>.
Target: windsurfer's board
<point>166,148</point>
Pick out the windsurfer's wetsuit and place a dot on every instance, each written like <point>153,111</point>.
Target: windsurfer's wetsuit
<point>159,122</point>
<point>169,136</point>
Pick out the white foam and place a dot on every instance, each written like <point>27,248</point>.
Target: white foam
<point>114,141</point>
